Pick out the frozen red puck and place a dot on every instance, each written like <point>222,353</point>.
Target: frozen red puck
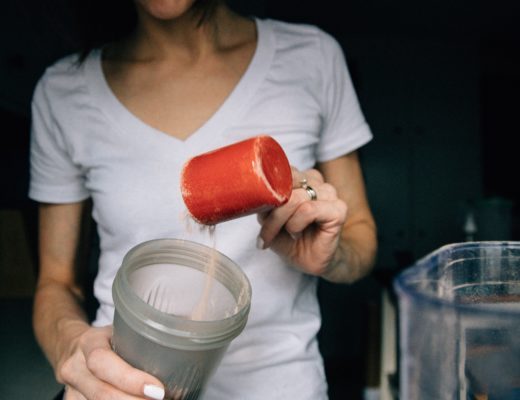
<point>243,178</point>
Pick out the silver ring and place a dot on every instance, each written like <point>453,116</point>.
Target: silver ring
<point>311,192</point>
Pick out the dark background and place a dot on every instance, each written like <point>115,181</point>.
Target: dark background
<point>438,81</point>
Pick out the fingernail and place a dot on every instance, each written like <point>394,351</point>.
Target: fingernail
<point>154,392</point>
<point>260,244</point>
<point>295,236</point>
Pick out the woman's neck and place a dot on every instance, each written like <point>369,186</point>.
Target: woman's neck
<point>186,36</point>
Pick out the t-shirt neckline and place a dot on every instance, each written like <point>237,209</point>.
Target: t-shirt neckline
<point>229,110</point>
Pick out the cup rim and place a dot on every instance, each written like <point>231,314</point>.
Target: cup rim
<point>161,326</point>
<point>402,283</point>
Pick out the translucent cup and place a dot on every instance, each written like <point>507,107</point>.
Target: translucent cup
<point>459,311</point>
<point>178,305</point>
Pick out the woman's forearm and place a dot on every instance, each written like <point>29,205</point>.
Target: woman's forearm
<point>356,253</point>
<point>58,316</point>
<point>58,319</point>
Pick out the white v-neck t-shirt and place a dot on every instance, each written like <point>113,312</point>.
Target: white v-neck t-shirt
<point>85,143</point>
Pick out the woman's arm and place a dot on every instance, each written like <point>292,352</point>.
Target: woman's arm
<point>58,315</point>
<point>81,355</point>
<point>333,236</point>
<point>357,247</point>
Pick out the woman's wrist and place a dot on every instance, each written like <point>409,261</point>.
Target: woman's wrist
<point>347,265</point>
<point>68,333</point>
<point>337,270</point>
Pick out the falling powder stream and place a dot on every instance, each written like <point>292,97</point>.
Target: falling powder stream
<point>203,308</point>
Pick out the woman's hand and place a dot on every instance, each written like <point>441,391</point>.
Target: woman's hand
<point>91,370</point>
<point>312,230</point>
<point>307,229</point>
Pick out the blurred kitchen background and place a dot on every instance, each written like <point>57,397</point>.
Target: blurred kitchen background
<point>438,81</point>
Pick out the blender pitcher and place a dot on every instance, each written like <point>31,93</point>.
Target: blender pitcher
<point>459,327</point>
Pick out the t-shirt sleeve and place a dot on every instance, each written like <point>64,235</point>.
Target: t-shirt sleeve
<point>54,177</point>
<point>344,126</point>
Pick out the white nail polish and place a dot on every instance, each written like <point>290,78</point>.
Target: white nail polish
<point>154,392</point>
<point>295,236</point>
<point>260,243</point>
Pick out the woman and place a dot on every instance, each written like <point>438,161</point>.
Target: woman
<point>117,127</point>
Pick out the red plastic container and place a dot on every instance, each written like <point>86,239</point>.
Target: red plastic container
<point>243,178</point>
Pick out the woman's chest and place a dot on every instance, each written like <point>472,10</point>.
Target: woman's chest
<point>178,107</point>
<point>178,97</point>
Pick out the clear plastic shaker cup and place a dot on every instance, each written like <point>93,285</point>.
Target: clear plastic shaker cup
<point>173,319</point>
<point>459,311</point>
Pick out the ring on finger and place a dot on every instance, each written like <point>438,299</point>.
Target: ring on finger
<point>311,192</point>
